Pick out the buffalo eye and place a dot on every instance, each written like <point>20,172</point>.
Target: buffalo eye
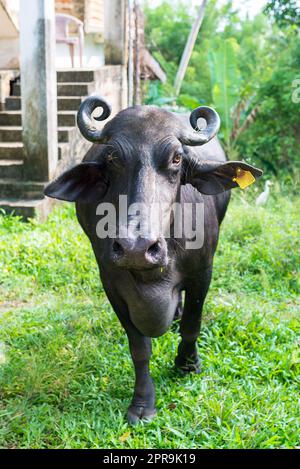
<point>113,159</point>
<point>176,159</point>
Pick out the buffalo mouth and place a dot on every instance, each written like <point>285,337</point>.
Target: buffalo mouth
<point>150,273</point>
<point>148,276</point>
<point>147,268</point>
<point>129,264</point>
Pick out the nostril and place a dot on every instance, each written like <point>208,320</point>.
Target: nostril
<point>117,248</point>
<point>154,249</point>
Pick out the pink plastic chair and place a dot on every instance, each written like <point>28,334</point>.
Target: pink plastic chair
<point>63,22</point>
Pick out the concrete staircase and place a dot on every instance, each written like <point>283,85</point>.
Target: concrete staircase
<point>17,194</point>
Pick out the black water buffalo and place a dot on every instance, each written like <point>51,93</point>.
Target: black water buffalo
<point>153,156</point>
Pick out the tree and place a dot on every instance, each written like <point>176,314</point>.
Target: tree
<point>284,12</point>
<point>244,67</point>
<point>273,139</point>
<point>225,81</point>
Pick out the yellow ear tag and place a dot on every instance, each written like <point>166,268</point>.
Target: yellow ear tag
<point>243,178</point>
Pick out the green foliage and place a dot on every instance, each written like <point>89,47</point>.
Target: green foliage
<point>156,95</point>
<point>65,371</point>
<point>245,68</point>
<point>273,139</point>
<point>225,79</point>
<point>167,28</point>
<point>284,12</point>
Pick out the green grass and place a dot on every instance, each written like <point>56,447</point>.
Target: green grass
<point>66,375</point>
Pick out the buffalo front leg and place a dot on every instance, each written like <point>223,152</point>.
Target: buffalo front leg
<point>143,402</point>
<point>187,359</point>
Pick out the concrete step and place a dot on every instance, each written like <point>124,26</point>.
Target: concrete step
<point>63,151</point>
<point>10,134</point>
<point>10,118</point>
<point>75,89</point>
<point>71,75</point>
<point>14,151</point>
<point>75,76</point>
<point>13,103</point>
<point>32,208</point>
<point>12,188</point>
<point>14,133</point>
<point>70,103</point>
<point>11,168</point>
<point>67,118</point>
<point>64,89</point>
<point>11,151</point>
<point>64,118</point>
<point>65,134</point>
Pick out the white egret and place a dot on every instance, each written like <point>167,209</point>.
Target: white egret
<point>263,197</point>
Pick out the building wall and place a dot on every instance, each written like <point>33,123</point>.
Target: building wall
<point>9,42</point>
<point>103,20</point>
<point>71,7</point>
<point>9,54</point>
<point>93,55</point>
<point>90,12</point>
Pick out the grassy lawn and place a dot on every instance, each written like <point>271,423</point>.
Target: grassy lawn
<point>66,376</point>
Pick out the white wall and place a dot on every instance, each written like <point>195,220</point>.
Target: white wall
<point>9,42</point>
<point>9,18</point>
<point>9,54</point>
<point>93,54</point>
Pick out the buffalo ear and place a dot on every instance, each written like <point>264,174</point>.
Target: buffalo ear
<point>214,177</point>
<point>85,182</point>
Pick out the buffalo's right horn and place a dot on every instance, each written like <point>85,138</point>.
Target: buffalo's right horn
<point>85,119</point>
<point>199,137</point>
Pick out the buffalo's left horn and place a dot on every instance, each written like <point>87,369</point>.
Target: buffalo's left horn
<point>199,137</point>
<point>85,119</point>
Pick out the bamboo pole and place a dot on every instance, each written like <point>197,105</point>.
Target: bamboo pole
<point>137,89</point>
<point>189,48</point>
<point>130,55</point>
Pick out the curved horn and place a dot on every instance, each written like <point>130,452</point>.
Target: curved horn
<point>190,137</point>
<point>85,120</point>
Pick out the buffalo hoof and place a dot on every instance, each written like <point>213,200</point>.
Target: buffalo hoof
<point>188,365</point>
<point>137,413</point>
